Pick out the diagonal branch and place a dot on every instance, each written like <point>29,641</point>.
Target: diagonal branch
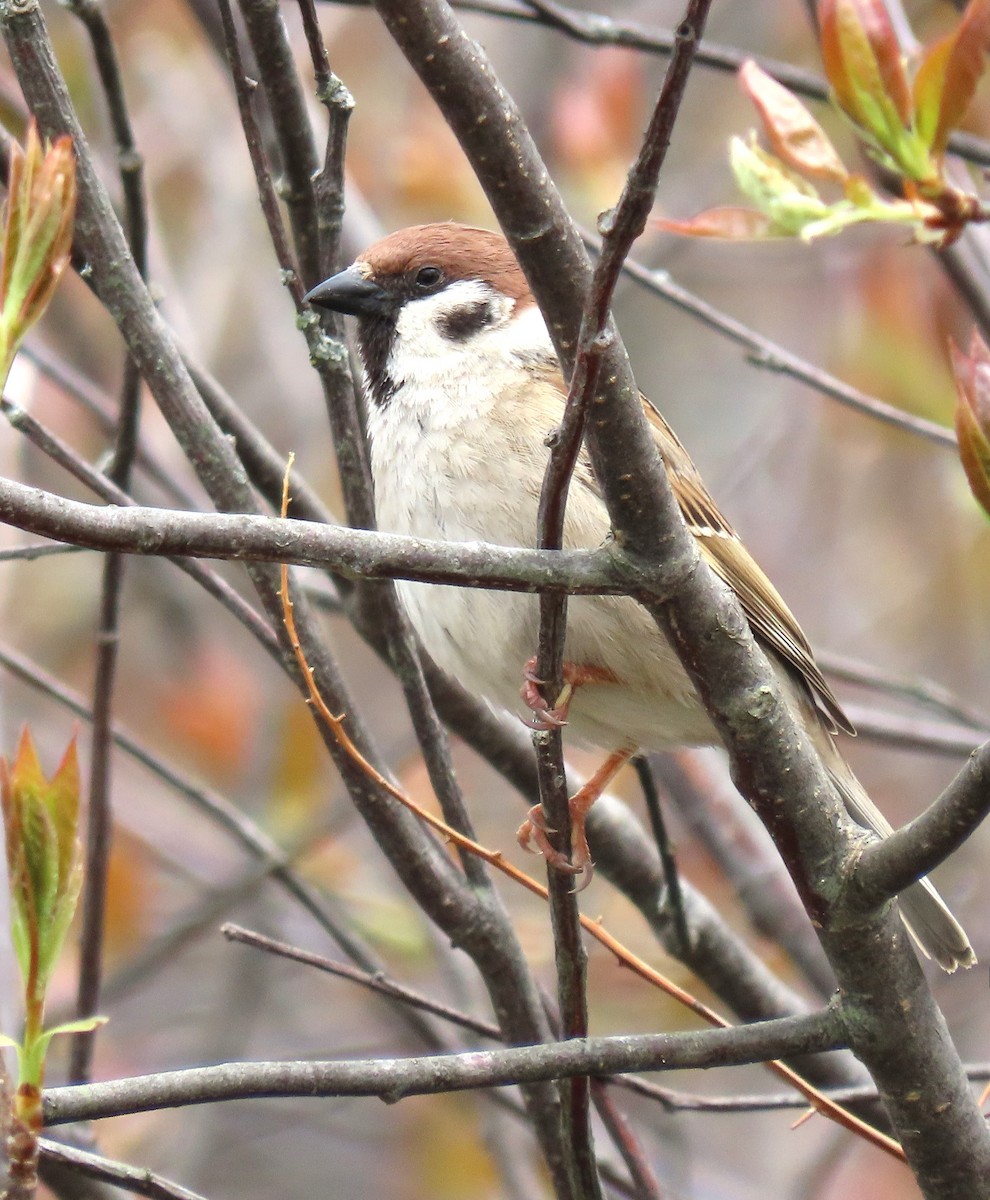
<point>888,867</point>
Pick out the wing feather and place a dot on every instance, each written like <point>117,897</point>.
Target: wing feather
<point>770,618</point>
<point>725,553</point>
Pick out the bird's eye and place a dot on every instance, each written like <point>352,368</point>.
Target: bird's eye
<point>427,277</point>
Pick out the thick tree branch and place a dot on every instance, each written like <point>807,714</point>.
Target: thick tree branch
<point>253,538</point>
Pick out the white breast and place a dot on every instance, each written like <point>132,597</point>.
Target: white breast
<point>458,454</point>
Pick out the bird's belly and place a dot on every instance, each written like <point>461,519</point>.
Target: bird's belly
<point>483,638</point>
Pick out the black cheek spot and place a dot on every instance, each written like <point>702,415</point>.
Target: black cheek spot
<point>464,322</point>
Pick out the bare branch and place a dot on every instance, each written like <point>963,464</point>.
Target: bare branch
<point>99,819</point>
<point>395,1079</point>
<point>766,354</point>
<point>888,867</point>
<point>293,134</point>
<point>375,982</point>
<point>135,1179</point>
<point>357,552</point>
<point>914,733</point>
<point>624,224</point>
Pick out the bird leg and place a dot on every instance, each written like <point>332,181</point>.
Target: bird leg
<point>535,830</point>
<point>574,675</point>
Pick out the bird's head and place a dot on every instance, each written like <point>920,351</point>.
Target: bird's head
<point>432,295</point>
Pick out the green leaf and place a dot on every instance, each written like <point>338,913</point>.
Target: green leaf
<point>83,1025</point>
<point>37,236</point>
<point>80,1025</point>
<point>788,200</point>
<point>43,856</point>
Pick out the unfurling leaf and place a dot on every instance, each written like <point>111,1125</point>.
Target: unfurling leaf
<point>788,200</point>
<point>905,131</point>
<point>43,858</point>
<point>972,373</point>
<point>948,74</point>
<point>863,63</point>
<point>794,133</point>
<point>37,235</point>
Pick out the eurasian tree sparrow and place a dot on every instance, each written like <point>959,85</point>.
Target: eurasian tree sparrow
<point>464,386</point>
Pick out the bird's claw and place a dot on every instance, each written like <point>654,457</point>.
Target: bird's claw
<point>544,717</point>
<point>533,836</point>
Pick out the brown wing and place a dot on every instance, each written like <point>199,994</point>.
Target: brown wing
<point>768,615</point>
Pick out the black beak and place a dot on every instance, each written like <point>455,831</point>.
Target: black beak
<point>351,293</point>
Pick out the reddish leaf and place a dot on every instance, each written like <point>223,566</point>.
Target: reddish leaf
<point>948,75</point>
<point>739,224</point>
<point>794,133</point>
<point>972,374</point>
<point>863,62</point>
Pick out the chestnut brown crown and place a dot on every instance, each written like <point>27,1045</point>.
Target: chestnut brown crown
<point>456,251</point>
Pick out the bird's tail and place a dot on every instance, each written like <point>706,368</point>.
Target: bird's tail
<point>926,915</point>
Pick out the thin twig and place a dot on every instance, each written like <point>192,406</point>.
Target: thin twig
<point>674,899</point>
<point>644,1181</point>
<point>339,104</point>
<point>95,401</point>
<point>766,354</point>
<point>746,858</point>
<point>620,227</point>
<point>99,817</point>
<point>326,349</point>
<point>37,550</point>
<point>377,982</point>
<point>918,690</point>
<point>293,135</point>
<point>134,1179</point>
<point>915,733</point>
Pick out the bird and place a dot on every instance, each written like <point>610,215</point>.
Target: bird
<point>463,387</point>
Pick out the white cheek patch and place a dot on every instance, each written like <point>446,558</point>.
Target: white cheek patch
<point>467,327</point>
<point>433,325</point>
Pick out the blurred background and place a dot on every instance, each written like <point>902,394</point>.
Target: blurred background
<point>870,533</point>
